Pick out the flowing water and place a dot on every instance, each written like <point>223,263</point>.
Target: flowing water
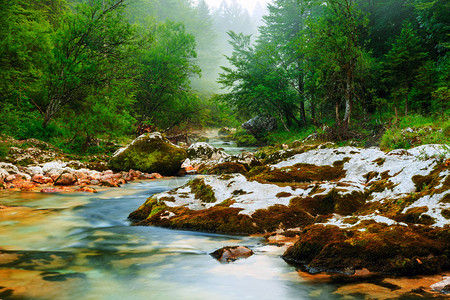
<point>81,246</point>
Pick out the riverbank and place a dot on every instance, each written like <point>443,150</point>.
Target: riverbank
<point>337,211</point>
<point>352,212</point>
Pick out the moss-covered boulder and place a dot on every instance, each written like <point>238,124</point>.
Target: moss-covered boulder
<point>397,250</point>
<point>150,153</point>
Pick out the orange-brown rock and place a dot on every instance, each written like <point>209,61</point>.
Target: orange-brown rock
<point>41,179</point>
<point>229,254</point>
<point>87,189</point>
<point>52,190</point>
<point>66,179</point>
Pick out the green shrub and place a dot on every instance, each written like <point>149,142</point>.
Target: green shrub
<point>4,150</point>
<point>243,138</point>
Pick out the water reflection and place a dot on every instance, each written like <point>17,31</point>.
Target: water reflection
<point>81,246</point>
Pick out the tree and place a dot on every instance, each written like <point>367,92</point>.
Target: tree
<point>89,50</point>
<point>284,30</point>
<point>165,68</point>
<point>25,47</point>
<point>256,85</point>
<point>335,44</point>
<point>403,62</point>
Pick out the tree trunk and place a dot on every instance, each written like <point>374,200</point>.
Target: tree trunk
<point>338,120</point>
<point>302,112</point>
<point>284,124</point>
<point>406,103</point>
<point>348,100</point>
<point>313,111</point>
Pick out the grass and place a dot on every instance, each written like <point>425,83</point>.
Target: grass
<point>415,130</point>
<point>288,137</point>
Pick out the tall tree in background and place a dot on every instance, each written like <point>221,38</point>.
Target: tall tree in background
<point>403,62</point>
<point>166,66</point>
<point>335,43</point>
<point>284,28</point>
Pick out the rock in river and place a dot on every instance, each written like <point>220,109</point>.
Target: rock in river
<point>150,153</point>
<point>229,254</point>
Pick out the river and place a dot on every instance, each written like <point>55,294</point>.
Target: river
<point>81,246</point>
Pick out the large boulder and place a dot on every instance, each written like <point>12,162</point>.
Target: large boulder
<point>259,125</point>
<point>150,153</point>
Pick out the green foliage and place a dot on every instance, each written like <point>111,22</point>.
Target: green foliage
<point>4,150</point>
<point>89,50</point>
<point>165,67</point>
<point>402,64</point>
<point>244,139</point>
<point>414,130</point>
<point>287,137</point>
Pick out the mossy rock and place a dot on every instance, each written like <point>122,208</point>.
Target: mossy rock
<point>228,168</point>
<point>397,250</point>
<point>202,191</point>
<point>280,155</point>
<point>296,173</point>
<point>150,153</point>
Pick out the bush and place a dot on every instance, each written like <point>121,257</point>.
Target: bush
<point>245,139</point>
<point>4,150</point>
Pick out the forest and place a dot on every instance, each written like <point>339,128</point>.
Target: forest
<point>74,72</point>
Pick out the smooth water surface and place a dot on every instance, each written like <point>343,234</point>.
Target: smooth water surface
<point>230,147</point>
<point>81,246</point>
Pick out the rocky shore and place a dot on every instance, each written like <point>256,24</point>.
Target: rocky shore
<point>352,212</point>
<point>357,215</point>
<point>56,176</point>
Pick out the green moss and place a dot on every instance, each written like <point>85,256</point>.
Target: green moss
<point>227,202</point>
<point>170,199</point>
<point>417,215</point>
<point>317,189</point>
<point>147,210</point>
<point>317,205</point>
<point>380,185</point>
<point>445,199</point>
<point>333,202</point>
<point>281,216</point>
<point>150,155</point>
<point>273,155</point>
<point>379,161</point>
<point>371,175</point>
<point>238,192</point>
<point>202,191</point>
<point>227,168</point>
<point>446,213</point>
<point>340,163</point>
<point>219,219</point>
<point>350,220</point>
<point>397,250</point>
<point>349,203</point>
<point>24,162</point>
<point>296,173</point>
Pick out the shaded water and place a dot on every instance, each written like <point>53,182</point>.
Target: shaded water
<point>81,246</point>
<point>229,147</point>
